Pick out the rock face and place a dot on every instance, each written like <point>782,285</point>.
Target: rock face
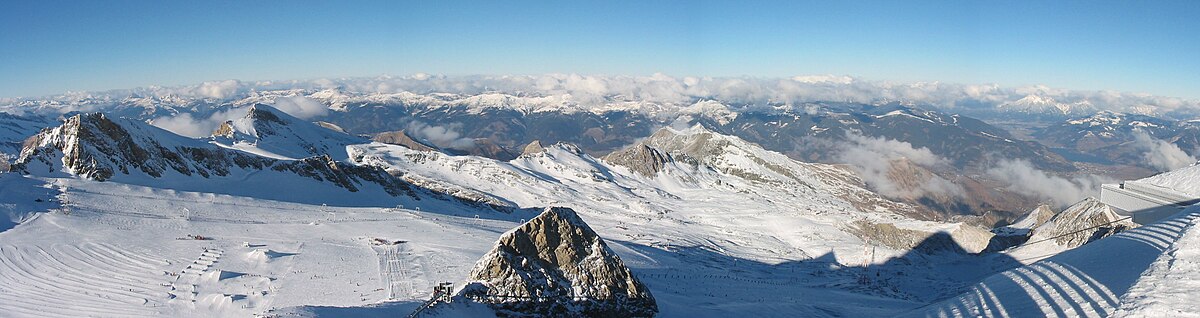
<point>640,158</point>
<point>96,147</point>
<point>1081,223</point>
<point>533,147</point>
<point>556,266</point>
<point>400,138</point>
<point>1025,225</point>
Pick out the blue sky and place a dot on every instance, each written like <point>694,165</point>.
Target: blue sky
<point>48,47</point>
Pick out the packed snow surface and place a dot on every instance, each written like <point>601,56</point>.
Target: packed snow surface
<point>1186,180</point>
<point>1140,272</point>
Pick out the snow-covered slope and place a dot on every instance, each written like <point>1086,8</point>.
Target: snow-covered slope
<point>268,132</point>
<point>94,146</point>
<point>119,250</point>
<point>22,198</point>
<point>706,167</point>
<point>1120,275</point>
<point>1185,180</point>
<point>1168,288</point>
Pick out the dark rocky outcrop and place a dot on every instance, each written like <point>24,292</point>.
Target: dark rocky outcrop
<point>556,266</point>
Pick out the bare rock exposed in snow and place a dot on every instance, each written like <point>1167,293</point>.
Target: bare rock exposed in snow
<point>640,158</point>
<point>533,147</point>
<point>960,239</point>
<point>1081,223</point>
<point>555,265</point>
<point>400,138</point>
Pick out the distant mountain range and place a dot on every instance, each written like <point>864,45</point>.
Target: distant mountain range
<point>955,151</point>
<point>1114,137</point>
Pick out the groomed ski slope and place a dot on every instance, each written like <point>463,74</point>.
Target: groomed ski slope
<point>1146,271</point>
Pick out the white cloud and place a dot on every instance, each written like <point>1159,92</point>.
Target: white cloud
<point>187,125</point>
<point>660,88</point>
<point>874,157</point>
<point>1160,154</point>
<point>301,107</point>
<point>1024,179</point>
<point>218,89</point>
<point>591,90</point>
<point>441,136</point>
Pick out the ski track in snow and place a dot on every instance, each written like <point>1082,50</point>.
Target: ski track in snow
<point>395,263</point>
<point>1104,278</point>
<point>64,280</point>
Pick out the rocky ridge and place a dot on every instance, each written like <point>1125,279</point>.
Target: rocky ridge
<point>94,146</point>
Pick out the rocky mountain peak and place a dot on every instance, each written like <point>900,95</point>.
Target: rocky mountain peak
<point>94,146</point>
<point>556,265</point>
<point>640,158</point>
<point>697,141</point>
<point>259,120</point>
<point>533,147</point>
<point>264,113</point>
<point>269,131</point>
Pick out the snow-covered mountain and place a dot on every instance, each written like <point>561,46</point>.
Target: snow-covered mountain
<point>277,215</point>
<point>1102,129</point>
<point>708,202</point>
<point>1037,104</point>
<point>94,146</point>
<point>1120,137</point>
<point>685,169</point>
<point>499,124</point>
<point>574,92</point>
<point>268,132</point>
